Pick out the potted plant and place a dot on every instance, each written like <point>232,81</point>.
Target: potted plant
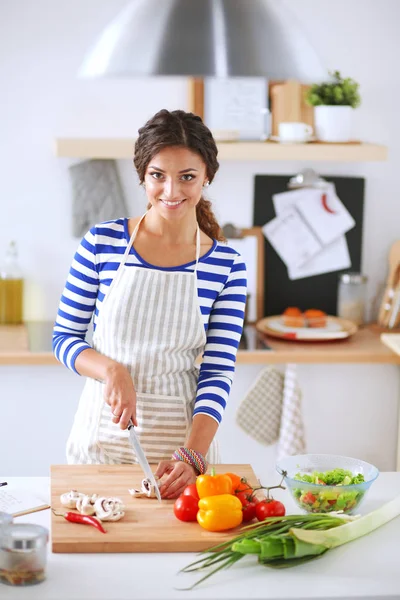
<point>333,103</point>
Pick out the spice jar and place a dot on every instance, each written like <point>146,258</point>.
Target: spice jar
<point>23,554</point>
<point>351,297</point>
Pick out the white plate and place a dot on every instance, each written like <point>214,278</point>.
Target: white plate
<point>276,138</point>
<point>335,329</point>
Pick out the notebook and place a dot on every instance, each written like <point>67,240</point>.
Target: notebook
<point>19,502</point>
<point>392,341</point>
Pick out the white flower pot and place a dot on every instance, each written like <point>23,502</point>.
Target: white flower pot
<point>333,123</point>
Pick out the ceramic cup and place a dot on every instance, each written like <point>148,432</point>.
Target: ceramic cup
<point>294,132</point>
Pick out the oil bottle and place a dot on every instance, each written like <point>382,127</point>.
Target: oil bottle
<point>11,288</point>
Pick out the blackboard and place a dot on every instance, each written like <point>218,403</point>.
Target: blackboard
<point>319,291</point>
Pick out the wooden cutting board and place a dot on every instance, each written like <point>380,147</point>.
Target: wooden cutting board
<point>148,526</point>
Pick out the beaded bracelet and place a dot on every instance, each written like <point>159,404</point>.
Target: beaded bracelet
<point>191,457</point>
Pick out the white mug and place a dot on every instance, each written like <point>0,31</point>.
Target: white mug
<point>294,132</point>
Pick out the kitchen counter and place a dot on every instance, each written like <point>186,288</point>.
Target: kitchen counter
<point>30,344</point>
<point>365,568</point>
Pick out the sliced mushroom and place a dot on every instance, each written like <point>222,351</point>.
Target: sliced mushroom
<point>85,505</point>
<point>69,499</point>
<point>147,490</point>
<point>109,509</point>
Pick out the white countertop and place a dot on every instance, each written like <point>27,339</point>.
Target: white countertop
<point>366,568</point>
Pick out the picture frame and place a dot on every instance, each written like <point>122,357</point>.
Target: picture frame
<point>251,246</point>
<point>237,106</point>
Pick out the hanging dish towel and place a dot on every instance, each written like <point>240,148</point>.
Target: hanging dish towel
<point>271,411</point>
<point>259,414</point>
<point>291,435</point>
<point>97,194</point>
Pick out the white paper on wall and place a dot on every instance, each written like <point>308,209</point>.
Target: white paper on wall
<point>325,213</point>
<point>291,238</point>
<point>333,257</point>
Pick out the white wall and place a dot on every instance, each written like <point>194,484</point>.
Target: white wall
<point>348,409</point>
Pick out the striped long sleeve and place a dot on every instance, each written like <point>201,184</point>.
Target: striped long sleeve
<point>224,331</point>
<point>77,304</point>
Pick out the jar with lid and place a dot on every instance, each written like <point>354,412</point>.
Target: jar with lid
<point>23,554</point>
<point>351,297</point>
<point>11,288</point>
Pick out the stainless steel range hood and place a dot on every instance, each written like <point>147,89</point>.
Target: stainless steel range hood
<point>204,38</point>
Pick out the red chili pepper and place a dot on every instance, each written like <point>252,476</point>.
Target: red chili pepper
<point>78,518</point>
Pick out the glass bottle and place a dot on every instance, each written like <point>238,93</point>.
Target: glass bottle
<point>11,288</point>
<point>351,297</point>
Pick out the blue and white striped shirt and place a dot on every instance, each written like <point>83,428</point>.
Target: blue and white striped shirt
<point>221,286</point>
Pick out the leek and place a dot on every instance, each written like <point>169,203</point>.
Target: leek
<point>290,540</point>
<point>350,531</point>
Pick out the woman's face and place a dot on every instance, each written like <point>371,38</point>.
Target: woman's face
<point>174,180</point>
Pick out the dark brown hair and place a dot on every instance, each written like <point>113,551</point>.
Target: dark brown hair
<point>184,129</point>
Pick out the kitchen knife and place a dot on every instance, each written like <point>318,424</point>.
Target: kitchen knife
<point>142,460</point>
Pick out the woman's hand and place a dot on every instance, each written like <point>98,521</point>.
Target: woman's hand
<point>180,474</point>
<point>120,395</point>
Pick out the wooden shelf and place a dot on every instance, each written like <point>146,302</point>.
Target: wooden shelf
<point>123,148</point>
<point>30,344</point>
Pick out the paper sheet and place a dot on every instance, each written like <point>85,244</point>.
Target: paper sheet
<point>18,502</point>
<point>325,213</point>
<point>332,257</point>
<point>291,238</point>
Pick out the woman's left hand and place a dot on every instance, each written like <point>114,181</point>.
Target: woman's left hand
<point>180,475</point>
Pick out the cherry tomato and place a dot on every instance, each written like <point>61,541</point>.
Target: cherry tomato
<point>191,490</point>
<point>186,508</point>
<point>249,504</point>
<point>269,508</point>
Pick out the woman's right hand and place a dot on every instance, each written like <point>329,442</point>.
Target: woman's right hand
<point>120,395</point>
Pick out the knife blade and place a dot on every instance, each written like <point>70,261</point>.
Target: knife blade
<point>142,460</point>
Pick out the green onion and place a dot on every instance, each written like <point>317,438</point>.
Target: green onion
<point>287,541</point>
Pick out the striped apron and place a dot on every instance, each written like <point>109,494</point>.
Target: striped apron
<point>150,321</point>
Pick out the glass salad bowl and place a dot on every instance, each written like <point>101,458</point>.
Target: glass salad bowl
<point>323,483</point>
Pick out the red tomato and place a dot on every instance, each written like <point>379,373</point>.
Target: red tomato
<point>309,498</point>
<point>191,490</point>
<point>269,508</point>
<point>249,505</point>
<point>186,508</point>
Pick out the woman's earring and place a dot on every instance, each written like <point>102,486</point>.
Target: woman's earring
<point>206,184</point>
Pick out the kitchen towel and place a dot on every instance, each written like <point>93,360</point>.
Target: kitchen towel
<point>291,439</point>
<point>271,411</point>
<point>97,194</point>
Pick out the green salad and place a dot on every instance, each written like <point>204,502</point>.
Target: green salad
<point>329,500</point>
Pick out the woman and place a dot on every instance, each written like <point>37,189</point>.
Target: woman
<point>162,291</point>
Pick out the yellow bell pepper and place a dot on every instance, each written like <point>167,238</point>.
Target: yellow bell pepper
<point>217,513</point>
<point>213,485</point>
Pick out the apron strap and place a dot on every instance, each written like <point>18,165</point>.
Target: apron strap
<point>132,239</point>
<point>123,260</point>
<point>197,248</point>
